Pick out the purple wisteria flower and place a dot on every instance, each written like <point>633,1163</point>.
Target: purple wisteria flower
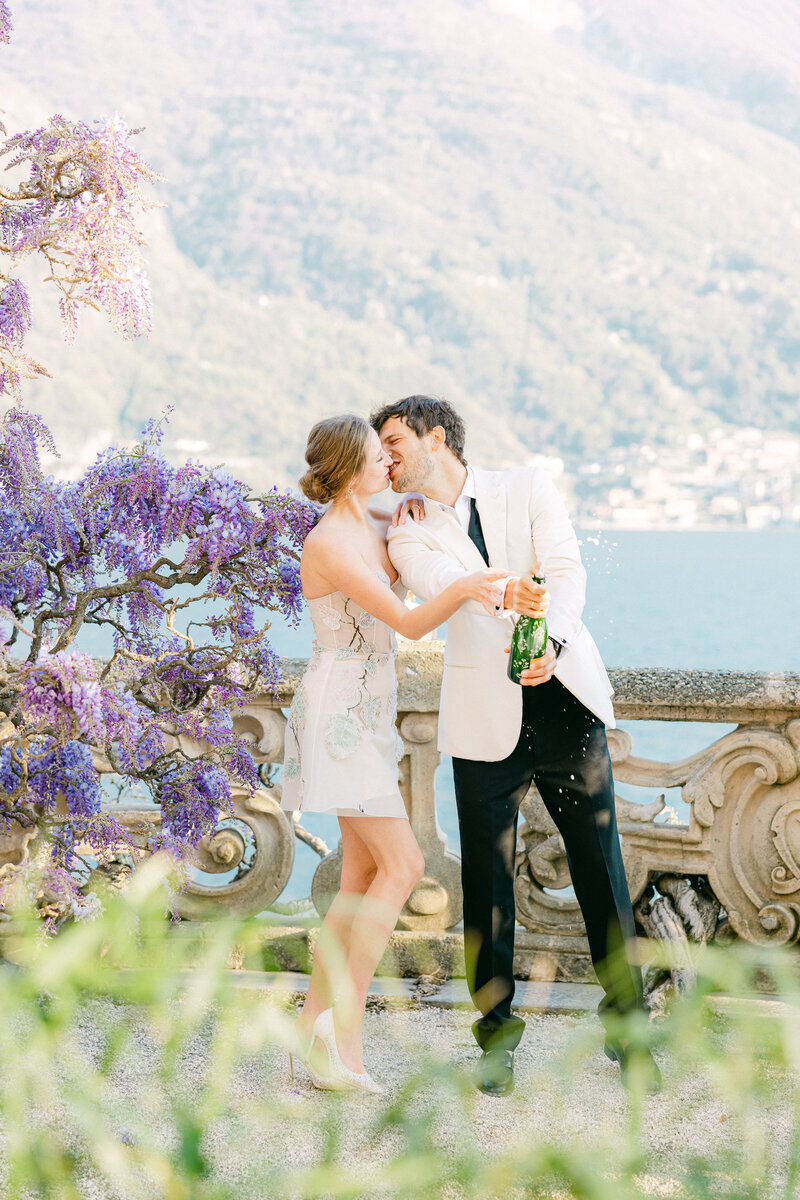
<point>61,692</point>
<point>15,312</point>
<point>182,565</point>
<point>77,208</point>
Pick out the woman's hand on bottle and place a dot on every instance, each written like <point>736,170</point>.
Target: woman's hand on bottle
<point>482,586</point>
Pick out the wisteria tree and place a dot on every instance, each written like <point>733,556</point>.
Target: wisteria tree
<point>176,563</point>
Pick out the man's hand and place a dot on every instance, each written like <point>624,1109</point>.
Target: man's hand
<point>540,670</point>
<point>527,598</point>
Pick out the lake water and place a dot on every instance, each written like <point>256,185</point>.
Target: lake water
<point>724,600</point>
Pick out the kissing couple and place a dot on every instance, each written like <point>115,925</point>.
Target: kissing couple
<point>467,545</point>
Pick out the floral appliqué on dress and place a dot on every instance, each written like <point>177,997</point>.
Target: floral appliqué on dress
<point>297,713</point>
<point>330,616</point>
<point>341,732</point>
<point>342,735</point>
<point>344,731</point>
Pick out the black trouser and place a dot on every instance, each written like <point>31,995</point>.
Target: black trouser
<point>562,747</point>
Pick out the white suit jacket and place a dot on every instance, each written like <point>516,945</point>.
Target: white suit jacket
<point>524,521</point>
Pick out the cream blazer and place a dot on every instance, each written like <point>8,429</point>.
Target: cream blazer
<point>524,521</point>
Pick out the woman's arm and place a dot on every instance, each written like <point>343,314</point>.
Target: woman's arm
<point>334,558</point>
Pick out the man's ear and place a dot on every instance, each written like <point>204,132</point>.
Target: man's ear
<point>438,437</point>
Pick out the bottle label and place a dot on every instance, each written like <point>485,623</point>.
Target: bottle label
<point>528,642</point>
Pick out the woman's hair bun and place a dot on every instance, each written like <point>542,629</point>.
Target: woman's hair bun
<point>314,487</point>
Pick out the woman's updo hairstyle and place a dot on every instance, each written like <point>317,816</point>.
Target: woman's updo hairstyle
<point>335,453</point>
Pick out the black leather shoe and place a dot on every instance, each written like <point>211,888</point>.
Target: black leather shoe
<point>636,1063</point>
<point>494,1074</point>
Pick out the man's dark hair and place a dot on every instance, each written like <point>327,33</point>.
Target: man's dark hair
<point>422,414</point>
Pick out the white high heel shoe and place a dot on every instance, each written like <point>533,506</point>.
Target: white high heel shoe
<point>338,1077</point>
<point>320,1081</point>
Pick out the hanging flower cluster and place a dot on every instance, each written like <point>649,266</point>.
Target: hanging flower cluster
<point>180,564</point>
<point>76,204</point>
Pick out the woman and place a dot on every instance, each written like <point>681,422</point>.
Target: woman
<point>342,747</point>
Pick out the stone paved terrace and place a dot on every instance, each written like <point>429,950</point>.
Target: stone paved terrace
<point>567,1093</point>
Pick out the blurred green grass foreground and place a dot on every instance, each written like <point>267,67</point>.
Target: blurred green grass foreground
<point>128,1071</point>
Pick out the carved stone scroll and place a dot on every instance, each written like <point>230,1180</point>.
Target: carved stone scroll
<point>256,841</point>
<point>264,727</point>
<point>15,843</point>
<point>755,836</point>
<point>541,870</point>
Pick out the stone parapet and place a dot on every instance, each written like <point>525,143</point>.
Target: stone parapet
<point>640,693</point>
<point>739,850</point>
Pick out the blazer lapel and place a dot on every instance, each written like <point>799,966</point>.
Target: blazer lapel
<point>490,498</point>
<point>443,523</point>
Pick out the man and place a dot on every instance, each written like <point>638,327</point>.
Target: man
<point>502,736</point>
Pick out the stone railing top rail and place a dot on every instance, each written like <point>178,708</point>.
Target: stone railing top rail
<point>640,693</point>
<point>694,695</point>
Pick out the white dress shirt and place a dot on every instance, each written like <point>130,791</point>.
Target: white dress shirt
<point>462,510</point>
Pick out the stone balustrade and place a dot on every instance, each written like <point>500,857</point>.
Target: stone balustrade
<point>743,792</point>
<point>742,838</point>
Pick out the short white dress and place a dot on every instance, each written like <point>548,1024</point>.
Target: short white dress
<point>342,744</point>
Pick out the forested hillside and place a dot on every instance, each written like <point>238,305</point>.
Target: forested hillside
<point>583,226</point>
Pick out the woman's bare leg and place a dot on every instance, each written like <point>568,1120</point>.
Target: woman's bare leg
<point>399,865</point>
<point>333,944</point>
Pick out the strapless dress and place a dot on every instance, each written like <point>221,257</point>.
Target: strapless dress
<point>342,744</point>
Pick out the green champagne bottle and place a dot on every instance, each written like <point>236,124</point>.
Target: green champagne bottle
<point>528,641</point>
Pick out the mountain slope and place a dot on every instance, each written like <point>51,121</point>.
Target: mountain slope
<point>583,237</point>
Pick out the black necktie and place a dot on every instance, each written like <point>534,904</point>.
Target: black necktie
<point>475,531</point>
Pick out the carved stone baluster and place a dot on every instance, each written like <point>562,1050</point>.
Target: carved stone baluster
<point>436,901</point>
